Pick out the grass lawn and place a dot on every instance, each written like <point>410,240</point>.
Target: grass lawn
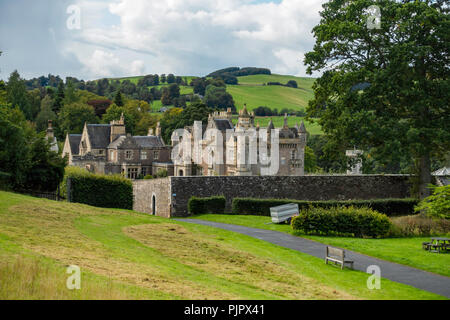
<point>407,251</point>
<point>129,255</point>
<point>270,96</point>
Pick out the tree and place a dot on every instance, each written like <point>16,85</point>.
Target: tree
<point>59,98</point>
<point>45,114</point>
<point>73,117</point>
<point>384,89</point>
<point>166,100</point>
<point>131,116</point>
<point>14,149</point>
<point>118,99</point>
<point>70,93</point>
<point>34,98</point>
<point>17,94</point>
<point>46,169</point>
<point>26,161</point>
<point>170,79</point>
<point>162,79</point>
<point>174,91</point>
<point>176,118</point>
<point>218,98</point>
<point>146,122</point>
<point>292,84</point>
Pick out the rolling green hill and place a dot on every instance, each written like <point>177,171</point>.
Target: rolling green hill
<point>252,91</point>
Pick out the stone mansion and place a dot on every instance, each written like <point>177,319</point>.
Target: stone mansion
<point>106,148</point>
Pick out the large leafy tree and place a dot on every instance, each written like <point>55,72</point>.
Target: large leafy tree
<point>385,88</point>
<point>73,117</point>
<point>17,94</point>
<point>176,118</point>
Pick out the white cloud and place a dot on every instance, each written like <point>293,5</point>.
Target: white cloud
<point>105,64</point>
<point>193,36</point>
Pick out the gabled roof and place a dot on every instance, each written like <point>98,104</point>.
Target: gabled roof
<point>74,142</point>
<point>99,135</point>
<point>117,142</point>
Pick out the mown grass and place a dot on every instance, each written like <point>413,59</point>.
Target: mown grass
<point>274,97</point>
<point>407,251</point>
<point>128,255</point>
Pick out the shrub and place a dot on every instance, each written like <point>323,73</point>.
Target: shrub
<point>438,204</point>
<point>148,177</point>
<point>261,207</point>
<point>107,191</point>
<point>345,221</point>
<point>162,173</point>
<point>418,226</point>
<point>207,205</point>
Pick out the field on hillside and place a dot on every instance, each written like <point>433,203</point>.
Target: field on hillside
<point>251,90</point>
<point>312,128</point>
<point>127,255</point>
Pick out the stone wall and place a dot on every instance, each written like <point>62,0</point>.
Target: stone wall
<point>174,192</point>
<point>145,190</point>
<point>336,187</point>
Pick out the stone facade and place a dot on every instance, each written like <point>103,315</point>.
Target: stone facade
<point>107,149</point>
<point>229,147</point>
<point>153,197</point>
<point>173,193</point>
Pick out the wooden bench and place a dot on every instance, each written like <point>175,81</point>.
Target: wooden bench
<point>284,213</point>
<point>337,256</point>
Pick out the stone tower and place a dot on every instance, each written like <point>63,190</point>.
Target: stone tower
<point>117,128</point>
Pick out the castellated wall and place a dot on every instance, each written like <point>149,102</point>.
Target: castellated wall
<point>173,193</point>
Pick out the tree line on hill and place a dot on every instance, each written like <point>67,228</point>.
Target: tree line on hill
<point>229,75</point>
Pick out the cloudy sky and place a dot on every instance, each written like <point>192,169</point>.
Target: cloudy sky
<point>118,38</point>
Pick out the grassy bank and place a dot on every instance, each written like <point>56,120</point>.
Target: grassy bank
<point>128,255</point>
<point>407,251</point>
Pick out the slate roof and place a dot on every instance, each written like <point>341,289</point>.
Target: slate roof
<point>116,142</point>
<point>223,124</point>
<point>149,141</point>
<point>74,142</point>
<point>99,135</point>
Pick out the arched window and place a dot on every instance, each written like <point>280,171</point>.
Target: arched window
<point>154,205</point>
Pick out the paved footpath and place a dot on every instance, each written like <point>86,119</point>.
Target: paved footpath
<point>396,272</point>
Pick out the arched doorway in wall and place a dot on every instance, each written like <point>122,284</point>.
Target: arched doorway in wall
<point>180,173</point>
<point>154,205</point>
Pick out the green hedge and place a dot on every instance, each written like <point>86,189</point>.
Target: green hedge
<point>342,221</point>
<point>106,191</point>
<point>206,205</point>
<point>261,207</point>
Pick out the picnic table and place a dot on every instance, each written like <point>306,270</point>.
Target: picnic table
<point>437,244</point>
